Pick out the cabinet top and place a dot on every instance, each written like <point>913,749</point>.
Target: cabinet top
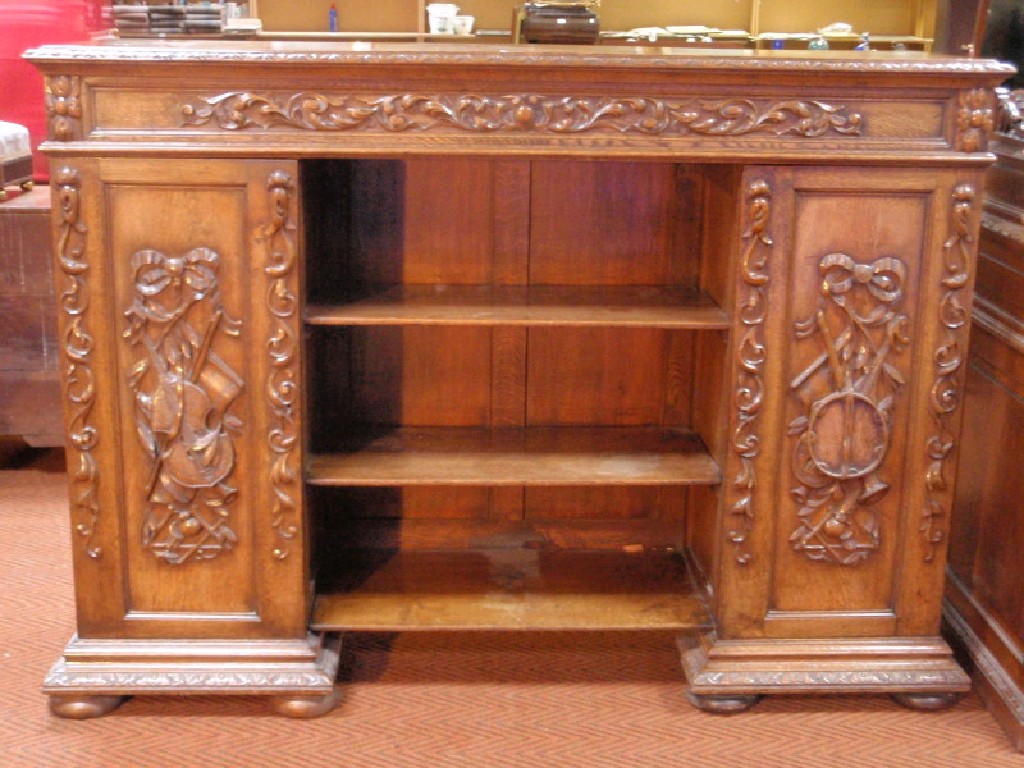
<point>317,99</point>
<point>706,61</point>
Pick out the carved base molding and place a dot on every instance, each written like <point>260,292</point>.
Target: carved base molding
<point>738,668</point>
<point>93,675</point>
<point>996,687</point>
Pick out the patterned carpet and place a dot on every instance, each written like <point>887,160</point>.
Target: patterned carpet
<point>436,699</point>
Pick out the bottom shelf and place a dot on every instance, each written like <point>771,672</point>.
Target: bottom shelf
<point>502,589</point>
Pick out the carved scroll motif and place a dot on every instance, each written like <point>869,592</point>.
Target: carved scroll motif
<point>947,388</point>
<point>183,395</point>
<point>64,107</point>
<point>281,345</point>
<point>240,110</point>
<point>848,392</point>
<point>750,358</point>
<point>975,121</point>
<point>77,349</point>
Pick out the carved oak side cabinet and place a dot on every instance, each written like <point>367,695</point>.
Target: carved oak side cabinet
<point>383,338</point>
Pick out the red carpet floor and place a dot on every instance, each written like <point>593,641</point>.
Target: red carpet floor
<point>436,700</point>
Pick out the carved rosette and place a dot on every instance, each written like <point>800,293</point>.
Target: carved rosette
<point>183,395</point>
<point>947,389</point>
<point>240,110</point>
<point>975,120</point>
<point>64,107</point>
<point>80,390</point>
<point>281,346</point>
<point>847,394</point>
<point>750,358</point>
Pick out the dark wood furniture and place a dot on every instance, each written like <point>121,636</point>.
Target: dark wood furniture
<point>30,394</point>
<point>364,337</point>
<point>15,172</point>
<point>985,607</point>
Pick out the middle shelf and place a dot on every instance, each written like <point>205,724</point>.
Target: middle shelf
<point>623,306</point>
<point>517,456</point>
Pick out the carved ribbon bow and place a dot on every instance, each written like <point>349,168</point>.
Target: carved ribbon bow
<point>193,275</point>
<point>883,278</point>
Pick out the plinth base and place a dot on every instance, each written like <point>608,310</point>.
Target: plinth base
<point>726,675</point>
<point>94,676</point>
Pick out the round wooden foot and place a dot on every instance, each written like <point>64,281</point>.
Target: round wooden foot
<point>721,704</point>
<point>300,705</point>
<point>926,702</point>
<point>84,706</point>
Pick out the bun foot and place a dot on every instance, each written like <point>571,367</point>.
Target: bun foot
<point>302,705</point>
<point>720,704</point>
<point>83,707</point>
<point>926,702</point>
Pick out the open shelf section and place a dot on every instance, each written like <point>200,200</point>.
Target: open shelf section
<point>514,456</point>
<point>639,306</point>
<point>515,588</point>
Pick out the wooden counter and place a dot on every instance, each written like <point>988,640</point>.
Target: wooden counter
<point>479,337</point>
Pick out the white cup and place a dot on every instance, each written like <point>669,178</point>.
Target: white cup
<point>441,17</point>
<point>463,25</point>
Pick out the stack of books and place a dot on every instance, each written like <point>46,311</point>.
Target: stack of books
<point>164,20</point>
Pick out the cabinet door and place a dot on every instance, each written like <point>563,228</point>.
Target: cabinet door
<point>180,334</point>
<point>853,297</point>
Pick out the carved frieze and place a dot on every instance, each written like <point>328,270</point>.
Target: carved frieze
<point>64,107</point>
<point>183,394</point>
<point>240,110</point>
<point>750,358</point>
<point>847,394</point>
<point>282,386</point>
<point>947,387</point>
<point>77,347</point>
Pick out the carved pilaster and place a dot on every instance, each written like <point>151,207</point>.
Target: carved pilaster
<point>183,394</point>
<point>64,107</point>
<point>282,385</point>
<point>947,389</point>
<point>750,359</point>
<point>77,347</point>
<point>847,394</point>
<point>314,111</point>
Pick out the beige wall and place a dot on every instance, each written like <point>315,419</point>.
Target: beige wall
<point>881,17</point>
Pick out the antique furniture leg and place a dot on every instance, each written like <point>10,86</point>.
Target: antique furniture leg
<point>84,706</point>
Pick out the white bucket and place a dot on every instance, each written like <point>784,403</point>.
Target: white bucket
<point>441,17</point>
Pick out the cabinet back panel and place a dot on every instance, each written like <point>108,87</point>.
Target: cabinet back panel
<point>610,223</point>
<point>618,376</point>
<point>353,224</point>
<point>413,376</point>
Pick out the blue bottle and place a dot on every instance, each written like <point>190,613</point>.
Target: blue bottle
<point>332,18</point>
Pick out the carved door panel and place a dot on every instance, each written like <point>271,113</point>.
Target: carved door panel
<point>182,398</point>
<point>853,305</point>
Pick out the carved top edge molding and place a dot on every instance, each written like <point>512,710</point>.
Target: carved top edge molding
<point>397,54</point>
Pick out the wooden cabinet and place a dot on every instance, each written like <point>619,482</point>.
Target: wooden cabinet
<point>29,393</point>
<point>394,338</point>
<point>984,607</point>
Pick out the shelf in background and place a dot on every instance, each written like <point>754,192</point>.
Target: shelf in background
<point>512,456</point>
<point>634,306</point>
<point>502,589</point>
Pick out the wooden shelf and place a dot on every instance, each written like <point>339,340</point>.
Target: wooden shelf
<point>530,456</point>
<point>639,306</point>
<point>498,589</point>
